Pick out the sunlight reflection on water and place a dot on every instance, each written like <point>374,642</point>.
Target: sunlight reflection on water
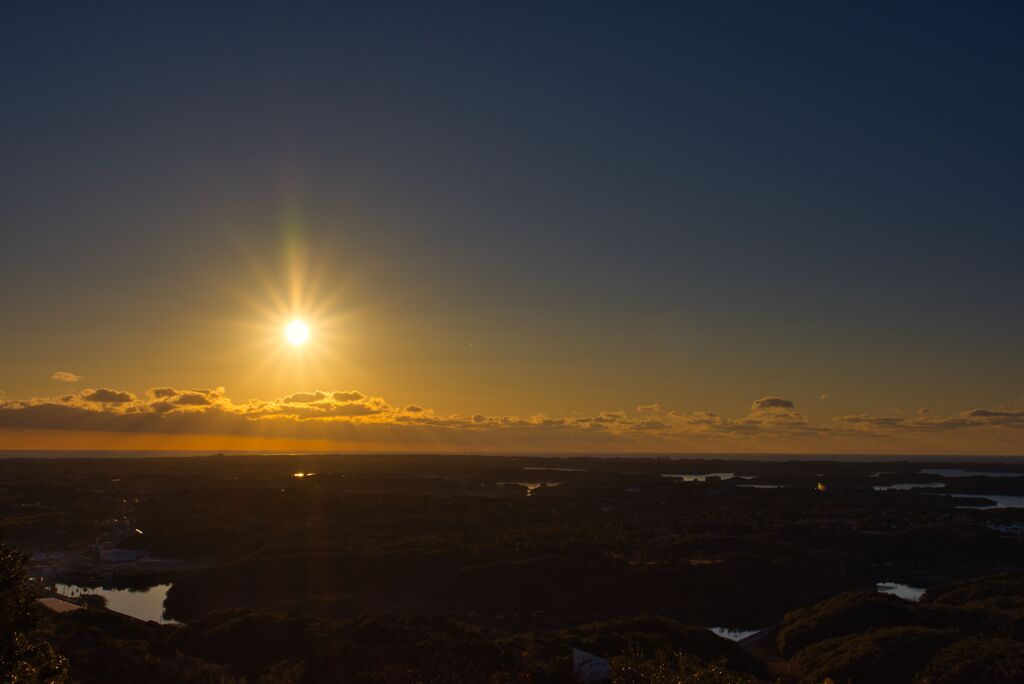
<point>733,634</point>
<point>904,591</point>
<point>144,604</point>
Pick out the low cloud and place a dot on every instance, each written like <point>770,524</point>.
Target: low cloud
<point>986,413</point>
<point>767,403</point>
<point>352,417</point>
<point>924,421</point>
<point>107,396</point>
<point>350,395</point>
<point>193,400</point>
<point>304,397</point>
<point>651,425</point>
<point>864,419</point>
<point>66,376</point>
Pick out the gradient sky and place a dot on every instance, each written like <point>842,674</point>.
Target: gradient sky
<point>537,214</point>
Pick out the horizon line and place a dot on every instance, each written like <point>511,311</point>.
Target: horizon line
<point>9,454</point>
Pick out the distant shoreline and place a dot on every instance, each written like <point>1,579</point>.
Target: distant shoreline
<point>808,457</point>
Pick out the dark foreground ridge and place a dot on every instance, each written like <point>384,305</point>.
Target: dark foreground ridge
<point>493,569</point>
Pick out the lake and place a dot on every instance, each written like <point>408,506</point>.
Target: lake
<point>733,634</point>
<point>705,476</point>
<point>960,472</point>
<point>1000,500</point>
<point>904,591</point>
<point>530,486</point>
<point>908,485</point>
<point>144,604</point>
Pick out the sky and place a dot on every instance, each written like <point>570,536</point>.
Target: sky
<point>581,227</point>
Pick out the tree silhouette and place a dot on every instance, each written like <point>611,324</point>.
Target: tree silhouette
<point>23,658</point>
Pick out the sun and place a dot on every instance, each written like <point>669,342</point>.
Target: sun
<point>297,333</point>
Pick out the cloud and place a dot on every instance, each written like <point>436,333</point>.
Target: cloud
<point>353,418</point>
<point>651,425</point>
<point>348,396</point>
<point>923,421</point>
<point>108,396</point>
<point>66,376</point>
<point>768,403</point>
<point>304,397</point>
<point>309,406</point>
<point>865,419</point>
<point>192,399</point>
<point>986,413</point>
<point>164,399</point>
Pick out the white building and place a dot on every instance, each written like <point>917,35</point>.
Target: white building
<point>587,667</point>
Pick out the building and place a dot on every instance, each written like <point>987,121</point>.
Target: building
<point>588,667</point>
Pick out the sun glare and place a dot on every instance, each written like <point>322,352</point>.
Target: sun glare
<point>292,329</point>
<point>296,333</point>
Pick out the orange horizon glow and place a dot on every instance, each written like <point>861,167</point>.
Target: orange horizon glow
<point>275,343</point>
